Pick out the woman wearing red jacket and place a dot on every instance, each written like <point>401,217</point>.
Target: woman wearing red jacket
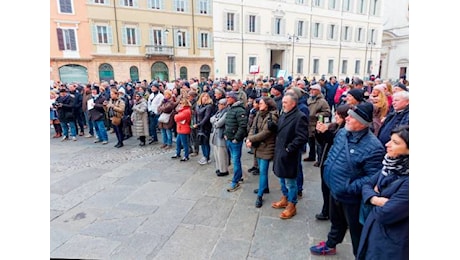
<point>183,119</point>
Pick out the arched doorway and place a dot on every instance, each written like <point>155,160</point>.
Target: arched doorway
<point>205,71</point>
<point>134,73</point>
<point>160,71</point>
<point>73,73</point>
<point>106,72</point>
<point>183,73</point>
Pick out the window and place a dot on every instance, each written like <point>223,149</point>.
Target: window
<point>102,34</point>
<point>67,39</point>
<point>181,39</point>
<point>332,32</point>
<point>332,4</point>
<point>361,6</point>
<point>317,3</point>
<point>359,35</point>
<point>369,66</point>
<point>231,63</point>
<point>374,7</point>
<point>180,6</point>
<point>99,1</point>
<point>134,73</point>
<point>372,34</point>
<point>252,61</point>
<point>155,4</point>
<point>230,22</point>
<point>357,66</point>
<point>65,6</point>
<point>301,2</point>
<point>300,28</point>
<point>157,37</point>
<point>330,66</point>
<point>277,28</point>
<point>128,2</point>
<point>183,74</point>
<point>130,36</point>
<point>203,7</point>
<point>299,66</point>
<point>344,67</point>
<point>346,5</point>
<point>315,66</point>
<point>252,23</point>
<point>346,33</point>
<point>316,30</point>
<point>204,40</point>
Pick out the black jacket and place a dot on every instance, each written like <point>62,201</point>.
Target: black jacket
<point>236,122</point>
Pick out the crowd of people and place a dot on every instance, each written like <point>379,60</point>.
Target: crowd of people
<point>355,131</point>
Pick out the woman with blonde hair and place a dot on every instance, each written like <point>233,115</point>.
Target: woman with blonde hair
<point>381,107</point>
<point>203,124</point>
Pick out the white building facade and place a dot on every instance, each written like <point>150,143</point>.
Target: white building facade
<point>297,38</point>
<point>395,43</point>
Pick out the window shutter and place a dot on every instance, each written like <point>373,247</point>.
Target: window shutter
<point>60,37</point>
<point>109,35</point>
<point>94,34</point>
<point>149,4</point>
<point>320,34</point>
<point>283,27</point>
<point>124,36</point>
<point>135,3</point>
<point>122,3</point>
<point>73,41</point>
<point>138,37</point>
<point>258,24</point>
<point>151,36</point>
<point>209,7</point>
<point>162,4</point>
<point>187,35</point>
<point>246,23</point>
<point>237,22</point>
<point>175,5</point>
<point>225,29</point>
<point>185,7</point>
<point>336,32</point>
<point>210,41</point>
<point>200,42</point>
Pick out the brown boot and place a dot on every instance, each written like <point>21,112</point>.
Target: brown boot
<point>280,204</point>
<point>289,212</point>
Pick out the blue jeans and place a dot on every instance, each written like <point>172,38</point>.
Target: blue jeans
<point>153,124</point>
<point>167,136</point>
<point>206,149</point>
<point>101,132</point>
<point>263,176</point>
<point>235,155</point>
<point>300,174</point>
<point>291,190</point>
<point>182,142</point>
<point>89,123</point>
<point>65,128</point>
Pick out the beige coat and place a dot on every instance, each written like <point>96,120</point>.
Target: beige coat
<point>140,119</point>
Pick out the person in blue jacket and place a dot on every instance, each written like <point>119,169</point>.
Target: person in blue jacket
<point>355,156</point>
<point>385,233</point>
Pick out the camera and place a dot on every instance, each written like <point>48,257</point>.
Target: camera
<point>57,104</point>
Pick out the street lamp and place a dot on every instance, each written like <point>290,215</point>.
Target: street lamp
<point>293,38</point>
<point>369,70</point>
<point>174,48</point>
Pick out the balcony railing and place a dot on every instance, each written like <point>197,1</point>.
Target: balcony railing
<point>159,50</point>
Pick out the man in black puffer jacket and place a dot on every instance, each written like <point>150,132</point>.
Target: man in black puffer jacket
<point>235,131</point>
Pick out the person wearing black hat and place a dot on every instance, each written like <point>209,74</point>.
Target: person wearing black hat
<point>356,155</point>
<point>277,92</point>
<point>355,96</point>
<point>65,109</point>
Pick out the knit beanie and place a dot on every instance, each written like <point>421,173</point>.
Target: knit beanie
<point>358,94</point>
<point>363,112</point>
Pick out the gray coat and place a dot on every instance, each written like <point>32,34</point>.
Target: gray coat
<point>140,119</point>
<point>218,127</point>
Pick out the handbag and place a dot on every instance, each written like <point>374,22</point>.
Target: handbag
<point>164,117</point>
<point>115,120</point>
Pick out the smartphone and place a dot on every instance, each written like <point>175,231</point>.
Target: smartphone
<point>321,118</point>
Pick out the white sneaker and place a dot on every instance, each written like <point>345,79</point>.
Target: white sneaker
<point>64,138</point>
<point>89,136</point>
<point>209,161</point>
<point>203,161</point>
<point>74,138</point>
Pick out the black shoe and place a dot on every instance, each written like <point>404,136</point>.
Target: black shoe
<point>267,190</point>
<point>256,172</point>
<point>250,152</point>
<point>259,202</point>
<point>117,145</point>
<point>299,194</point>
<point>316,164</point>
<point>184,159</point>
<point>309,159</point>
<point>220,174</point>
<point>253,168</point>
<point>321,216</point>
<point>120,145</point>
<point>175,156</point>
<point>151,141</point>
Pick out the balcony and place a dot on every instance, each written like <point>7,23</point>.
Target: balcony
<point>159,50</point>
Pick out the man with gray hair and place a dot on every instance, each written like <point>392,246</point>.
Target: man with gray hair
<point>397,117</point>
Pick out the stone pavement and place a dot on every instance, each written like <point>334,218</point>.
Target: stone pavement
<point>138,203</point>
